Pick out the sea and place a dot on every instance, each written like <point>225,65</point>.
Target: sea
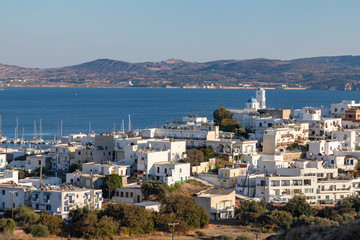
<point>106,108</point>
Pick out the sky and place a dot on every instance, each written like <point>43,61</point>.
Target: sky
<point>43,33</point>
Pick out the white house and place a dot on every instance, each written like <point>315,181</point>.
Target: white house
<point>59,201</point>
<point>146,159</point>
<point>22,195</point>
<point>106,169</point>
<point>9,176</point>
<point>338,109</point>
<point>347,137</point>
<point>171,173</point>
<point>317,148</point>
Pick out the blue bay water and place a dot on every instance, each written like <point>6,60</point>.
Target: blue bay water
<point>106,106</point>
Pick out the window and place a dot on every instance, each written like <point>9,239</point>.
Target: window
<point>122,194</point>
<point>327,197</point>
<point>127,194</point>
<point>180,170</point>
<point>131,194</point>
<point>3,192</point>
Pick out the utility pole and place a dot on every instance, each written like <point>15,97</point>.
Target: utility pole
<point>173,228</point>
<point>41,162</point>
<point>12,204</point>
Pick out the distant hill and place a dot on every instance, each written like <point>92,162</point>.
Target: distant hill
<point>339,72</point>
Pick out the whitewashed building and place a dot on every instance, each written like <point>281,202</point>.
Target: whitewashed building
<point>171,173</point>
<point>59,201</point>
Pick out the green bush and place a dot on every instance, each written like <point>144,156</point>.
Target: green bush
<point>135,218</point>
<point>186,209</point>
<point>23,215</point>
<point>38,230</point>
<point>153,188</point>
<point>7,225</point>
<point>250,211</point>
<point>242,237</point>
<point>200,233</point>
<point>298,206</point>
<point>111,182</point>
<point>222,237</point>
<point>54,224</point>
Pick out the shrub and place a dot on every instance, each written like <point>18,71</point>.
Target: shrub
<point>186,209</point>
<point>277,219</point>
<point>298,206</point>
<point>242,237</point>
<point>157,189</point>
<point>23,215</point>
<point>54,224</point>
<point>200,233</point>
<point>250,211</point>
<point>7,225</point>
<point>111,182</point>
<point>135,218</point>
<point>38,230</point>
<point>222,237</point>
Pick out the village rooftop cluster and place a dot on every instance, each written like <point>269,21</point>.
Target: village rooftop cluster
<point>312,152</point>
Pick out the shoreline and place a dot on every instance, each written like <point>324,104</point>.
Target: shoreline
<point>166,87</point>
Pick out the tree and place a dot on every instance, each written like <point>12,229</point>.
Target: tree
<point>250,211</point>
<point>134,218</point>
<point>7,225</point>
<point>157,189</point>
<point>220,114</point>
<point>54,224</point>
<point>111,182</point>
<point>298,206</point>
<point>22,173</point>
<point>240,132</point>
<point>194,157</point>
<point>229,125</point>
<point>38,230</point>
<point>278,219</point>
<point>88,223</point>
<point>208,153</point>
<point>73,167</point>
<point>185,209</point>
<point>23,215</point>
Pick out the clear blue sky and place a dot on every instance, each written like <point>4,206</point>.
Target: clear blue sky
<point>52,33</point>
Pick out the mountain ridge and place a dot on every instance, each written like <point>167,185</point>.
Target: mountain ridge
<point>326,72</point>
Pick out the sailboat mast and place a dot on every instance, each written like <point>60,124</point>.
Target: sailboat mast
<point>35,132</point>
<point>129,128</point>
<point>40,129</point>
<point>61,128</point>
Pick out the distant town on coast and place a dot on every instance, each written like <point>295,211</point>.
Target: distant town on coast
<point>302,162</point>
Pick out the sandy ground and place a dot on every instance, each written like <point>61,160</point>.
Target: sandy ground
<point>228,228</point>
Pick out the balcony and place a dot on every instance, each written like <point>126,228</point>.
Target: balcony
<point>34,199</point>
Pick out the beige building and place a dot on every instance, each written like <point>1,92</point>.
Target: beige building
<point>228,177</point>
<point>218,203</point>
<point>204,167</point>
<point>128,194</point>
